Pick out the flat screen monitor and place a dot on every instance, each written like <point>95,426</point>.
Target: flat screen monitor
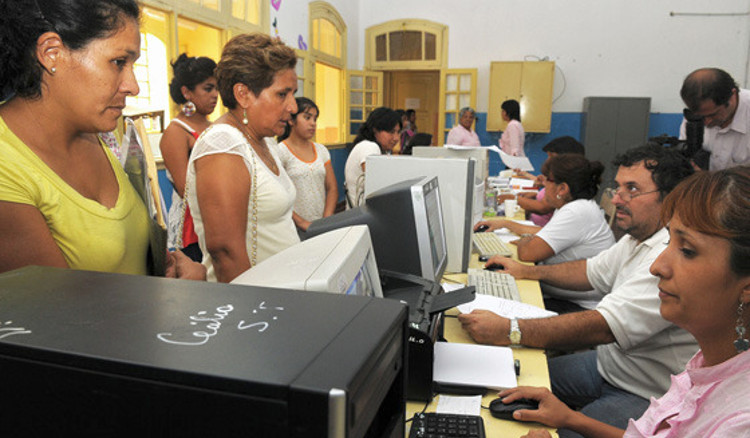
<point>456,180</point>
<point>406,225</point>
<point>339,261</point>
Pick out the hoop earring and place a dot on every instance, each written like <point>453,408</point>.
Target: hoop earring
<point>188,108</point>
<point>244,116</point>
<point>742,343</point>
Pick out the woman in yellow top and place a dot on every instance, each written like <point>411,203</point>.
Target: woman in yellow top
<point>66,68</point>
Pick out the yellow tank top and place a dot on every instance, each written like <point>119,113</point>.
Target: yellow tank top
<point>90,235</point>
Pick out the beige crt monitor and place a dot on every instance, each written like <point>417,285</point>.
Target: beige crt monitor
<point>339,261</point>
<point>455,178</point>
<point>479,153</point>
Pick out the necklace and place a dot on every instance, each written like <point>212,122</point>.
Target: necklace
<point>262,152</point>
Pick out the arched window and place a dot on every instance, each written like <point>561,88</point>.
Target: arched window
<point>327,56</point>
<point>406,45</point>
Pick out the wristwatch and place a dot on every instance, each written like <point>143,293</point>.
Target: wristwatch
<point>515,332</point>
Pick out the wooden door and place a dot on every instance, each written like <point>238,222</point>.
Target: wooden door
<point>420,91</point>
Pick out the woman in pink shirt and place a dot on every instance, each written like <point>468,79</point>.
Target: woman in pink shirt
<point>704,287</point>
<point>511,142</point>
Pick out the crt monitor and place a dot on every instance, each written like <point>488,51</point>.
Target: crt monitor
<point>406,225</point>
<point>456,179</point>
<point>479,153</point>
<point>339,261</point>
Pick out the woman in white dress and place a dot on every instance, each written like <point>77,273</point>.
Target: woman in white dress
<point>194,88</point>
<point>308,164</point>
<point>240,196</point>
<point>577,229</point>
<point>379,134</point>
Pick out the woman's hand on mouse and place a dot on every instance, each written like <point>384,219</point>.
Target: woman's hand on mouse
<point>551,411</point>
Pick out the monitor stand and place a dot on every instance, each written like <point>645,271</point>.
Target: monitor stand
<point>426,302</point>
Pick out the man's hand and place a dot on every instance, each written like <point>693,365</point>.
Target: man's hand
<point>486,327</point>
<point>510,266</point>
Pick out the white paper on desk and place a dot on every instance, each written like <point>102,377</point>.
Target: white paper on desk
<point>474,365</point>
<point>461,405</point>
<point>507,236</point>
<point>505,308</point>
<point>521,184</point>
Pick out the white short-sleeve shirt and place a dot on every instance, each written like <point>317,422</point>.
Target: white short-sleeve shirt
<point>309,178</point>
<point>355,177</point>
<point>648,349</point>
<point>275,195</point>
<point>576,231</point>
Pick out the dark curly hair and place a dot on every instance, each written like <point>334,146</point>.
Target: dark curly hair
<point>78,22</point>
<point>667,166</point>
<point>582,176</point>
<point>254,60</point>
<point>189,71</point>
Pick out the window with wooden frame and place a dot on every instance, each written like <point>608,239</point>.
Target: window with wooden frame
<point>406,45</point>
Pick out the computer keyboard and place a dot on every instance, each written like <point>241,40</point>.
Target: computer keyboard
<point>489,244</point>
<point>432,424</point>
<point>494,283</point>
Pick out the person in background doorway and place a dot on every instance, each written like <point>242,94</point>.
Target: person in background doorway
<point>378,135</point>
<point>462,134</point>
<point>406,133</point>
<point>193,87</point>
<point>308,164</point>
<point>512,140</point>
<point>411,116</point>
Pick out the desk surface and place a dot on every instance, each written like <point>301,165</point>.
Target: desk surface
<point>534,370</point>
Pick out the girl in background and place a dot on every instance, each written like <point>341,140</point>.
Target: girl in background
<point>308,165</point>
<point>194,88</point>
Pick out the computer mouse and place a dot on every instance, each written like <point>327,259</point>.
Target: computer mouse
<point>482,228</point>
<point>505,411</point>
<point>494,268</point>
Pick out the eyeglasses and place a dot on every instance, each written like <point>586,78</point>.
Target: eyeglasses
<point>629,193</point>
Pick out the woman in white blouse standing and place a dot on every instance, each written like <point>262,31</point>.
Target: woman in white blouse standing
<point>511,142</point>
<point>240,195</point>
<point>308,165</point>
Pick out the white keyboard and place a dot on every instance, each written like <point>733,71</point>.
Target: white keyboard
<point>489,244</point>
<point>496,284</point>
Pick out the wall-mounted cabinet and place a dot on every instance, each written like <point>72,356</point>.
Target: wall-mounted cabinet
<point>531,83</point>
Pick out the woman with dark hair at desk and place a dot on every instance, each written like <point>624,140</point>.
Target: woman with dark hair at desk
<point>512,140</point>
<point>65,200</point>
<point>704,287</point>
<point>378,135</point>
<point>576,231</point>
<point>239,193</point>
<point>194,88</point>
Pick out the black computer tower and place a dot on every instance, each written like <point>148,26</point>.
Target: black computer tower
<point>105,354</point>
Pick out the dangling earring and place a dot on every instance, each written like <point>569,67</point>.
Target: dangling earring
<point>244,116</point>
<point>742,343</point>
<point>188,108</point>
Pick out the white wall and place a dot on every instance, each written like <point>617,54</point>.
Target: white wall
<point>601,47</point>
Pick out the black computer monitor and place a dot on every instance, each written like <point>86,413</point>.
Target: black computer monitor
<point>406,226</point>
